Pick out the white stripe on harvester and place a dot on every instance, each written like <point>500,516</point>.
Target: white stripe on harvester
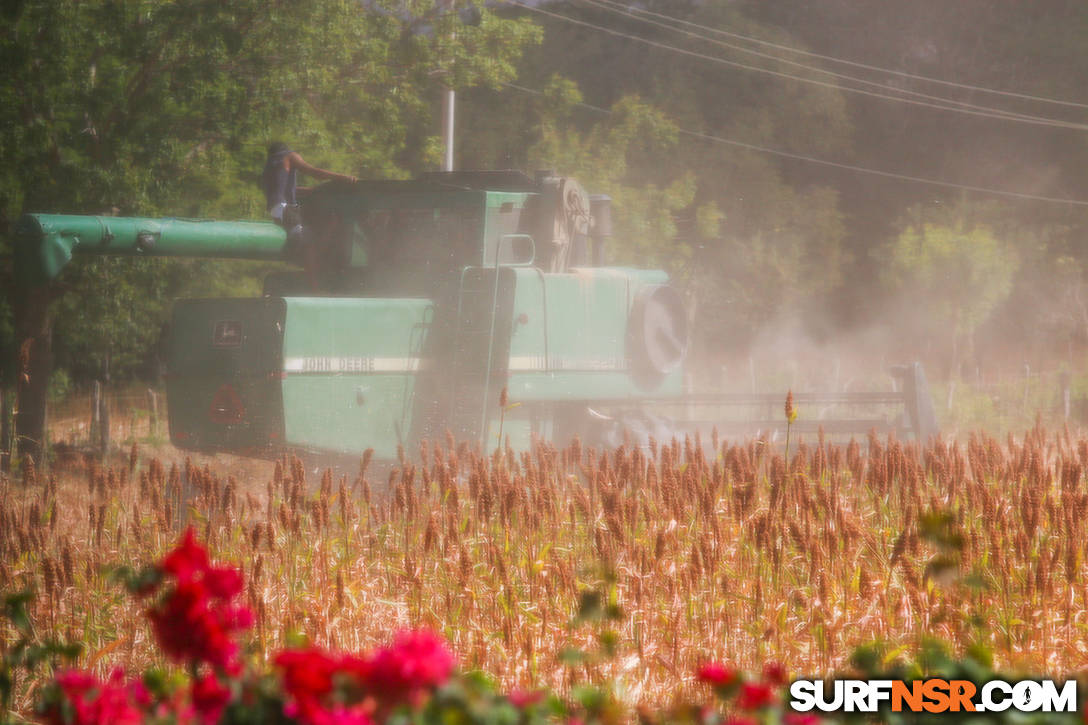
<point>537,363</point>
<point>352,364</point>
<point>516,364</point>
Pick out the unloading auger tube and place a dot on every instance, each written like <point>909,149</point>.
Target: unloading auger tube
<point>45,243</point>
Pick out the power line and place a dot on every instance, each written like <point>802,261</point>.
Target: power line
<point>834,164</point>
<point>1002,116</point>
<point>618,8</point>
<point>983,112</point>
<point>855,64</point>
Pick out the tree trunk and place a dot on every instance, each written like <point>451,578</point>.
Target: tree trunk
<point>34,337</point>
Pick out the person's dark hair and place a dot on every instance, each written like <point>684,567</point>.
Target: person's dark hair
<point>277,147</point>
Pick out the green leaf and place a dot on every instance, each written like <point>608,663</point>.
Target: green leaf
<point>892,656</point>
<point>572,656</point>
<point>609,641</point>
<point>15,610</point>
<point>295,639</point>
<point>613,612</point>
<point>590,606</point>
<point>590,697</point>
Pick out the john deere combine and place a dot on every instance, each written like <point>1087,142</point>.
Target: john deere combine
<point>435,296</point>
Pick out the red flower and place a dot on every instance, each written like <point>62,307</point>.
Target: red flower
<point>524,698</point>
<point>717,674</point>
<point>311,676</point>
<point>800,718</point>
<point>357,667</point>
<point>223,582</point>
<point>754,695</point>
<point>314,714</point>
<point>775,673</point>
<point>307,673</point>
<point>416,661</point>
<point>187,559</point>
<point>76,683</point>
<point>196,621</point>
<point>210,698</point>
<point>112,702</point>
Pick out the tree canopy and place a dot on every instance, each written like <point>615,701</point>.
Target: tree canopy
<point>707,123</point>
<point>156,108</point>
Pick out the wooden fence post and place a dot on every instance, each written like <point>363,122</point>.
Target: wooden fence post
<point>104,430</point>
<point>100,420</point>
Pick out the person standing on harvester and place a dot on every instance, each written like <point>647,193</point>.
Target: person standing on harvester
<point>279,183</point>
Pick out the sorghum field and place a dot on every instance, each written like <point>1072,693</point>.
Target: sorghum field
<point>730,556</point>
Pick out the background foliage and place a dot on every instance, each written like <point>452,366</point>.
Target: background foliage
<point>156,108</point>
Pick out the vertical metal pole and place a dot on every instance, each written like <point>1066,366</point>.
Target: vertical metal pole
<point>485,423</point>
<point>96,413</point>
<point>448,104</point>
<point>43,454</point>
<point>6,400</point>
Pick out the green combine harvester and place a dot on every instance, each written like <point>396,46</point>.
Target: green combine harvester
<point>434,297</point>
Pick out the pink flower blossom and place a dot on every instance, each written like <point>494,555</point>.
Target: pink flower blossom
<point>311,677</point>
<point>210,698</point>
<point>717,674</point>
<point>307,673</point>
<point>755,695</point>
<point>196,620</point>
<point>416,661</point>
<point>316,714</point>
<point>800,718</point>
<point>524,698</point>
<point>113,702</point>
<point>223,582</point>
<point>188,558</point>
<point>775,673</point>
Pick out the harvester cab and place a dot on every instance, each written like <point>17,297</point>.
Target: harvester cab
<point>439,299</point>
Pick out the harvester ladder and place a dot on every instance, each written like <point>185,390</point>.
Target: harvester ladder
<point>464,385</point>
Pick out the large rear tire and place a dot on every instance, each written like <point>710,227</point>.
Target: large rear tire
<point>657,335</point>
